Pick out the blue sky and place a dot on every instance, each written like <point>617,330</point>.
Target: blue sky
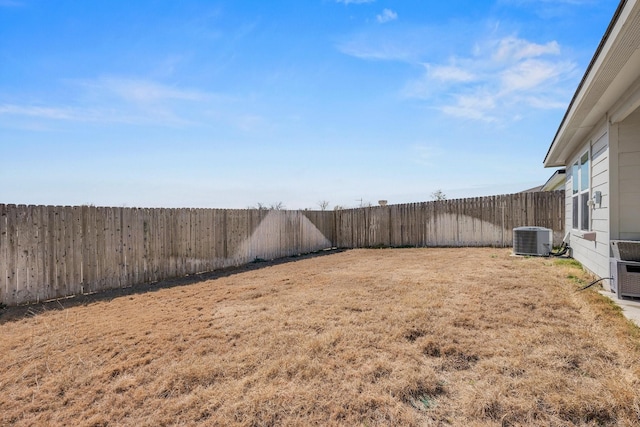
<point>228,104</point>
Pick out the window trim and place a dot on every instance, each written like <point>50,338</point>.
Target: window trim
<point>581,192</point>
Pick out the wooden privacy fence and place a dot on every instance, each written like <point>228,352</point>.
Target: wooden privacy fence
<point>482,221</point>
<point>55,251</point>
<point>50,252</point>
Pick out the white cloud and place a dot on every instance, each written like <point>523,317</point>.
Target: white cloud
<point>387,15</point>
<point>148,100</point>
<point>497,81</point>
<point>37,111</point>
<point>513,48</point>
<point>450,73</point>
<point>137,102</point>
<point>145,91</point>
<point>383,50</point>
<point>476,107</point>
<point>117,100</point>
<point>545,102</point>
<point>66,113</point>
<point>437,79</point>
<point>389,43</point>
<point>530,74</point>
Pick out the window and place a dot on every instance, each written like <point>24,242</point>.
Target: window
<point>580,193</point>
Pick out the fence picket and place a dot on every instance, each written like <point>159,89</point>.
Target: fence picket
<point>4,286</point>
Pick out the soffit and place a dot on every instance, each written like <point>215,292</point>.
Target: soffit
<point>614,70</point>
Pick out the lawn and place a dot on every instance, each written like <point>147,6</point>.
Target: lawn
<point>465,337</point>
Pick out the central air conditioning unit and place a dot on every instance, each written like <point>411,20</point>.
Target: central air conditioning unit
<point>537,241</point>
<point>625,268</point>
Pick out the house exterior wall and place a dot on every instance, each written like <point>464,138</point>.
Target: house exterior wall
<point>628,178</point>
<point>603,118</point>
<point>592,252</point>
<point>615,172</point>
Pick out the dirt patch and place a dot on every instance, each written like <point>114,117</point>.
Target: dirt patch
<point>363,337</point>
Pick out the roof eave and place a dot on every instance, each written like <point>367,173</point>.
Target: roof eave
<point>553,157</point>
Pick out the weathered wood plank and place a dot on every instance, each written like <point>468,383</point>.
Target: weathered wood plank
<point>111,251</point>
<point>11,251</point>
<point>4,287</point>
<point>40,218</point>
<point>87,254</point>
<point>48,253</point>
<point>136,247</point>
<point>102,281</point>
<point>29,250</point>
<point>136,258</point>
<point>151,245</point>
<point>164,254</point>
<point>22,252</point>
<point>208,242</point>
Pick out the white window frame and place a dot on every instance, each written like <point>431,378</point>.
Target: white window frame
<point>580,192</point>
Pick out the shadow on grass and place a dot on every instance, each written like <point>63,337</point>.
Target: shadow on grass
<point>8,314</point>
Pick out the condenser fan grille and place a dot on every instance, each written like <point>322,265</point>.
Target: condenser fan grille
<point>532,241</point>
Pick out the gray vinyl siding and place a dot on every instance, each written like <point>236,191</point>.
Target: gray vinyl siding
<point>594,255</point>
<point>629,177</point>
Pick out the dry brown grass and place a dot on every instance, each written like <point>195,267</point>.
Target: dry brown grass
<point>469,337</point>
